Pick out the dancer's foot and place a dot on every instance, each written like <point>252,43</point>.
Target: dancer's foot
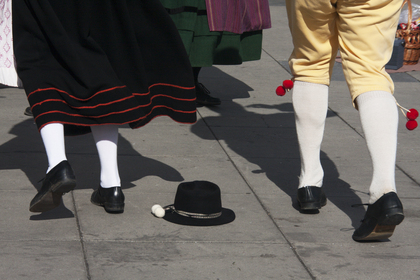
<point>112,199</point>
<point>311,198</point>
<point>57,182</point>
<point>380,219</point>
<point>28,112</point>
<point>203,96</point>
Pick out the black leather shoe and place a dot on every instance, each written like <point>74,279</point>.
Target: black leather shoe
<point>380,219</point>
<point>311,198</point>
<point>203,96</point>
<point>112,199</point>
<point>28,112</point>
<point>57,182</point>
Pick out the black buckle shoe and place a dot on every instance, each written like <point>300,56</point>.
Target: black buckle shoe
<point>112,199</point>
<point>380,219</point>
<point>311,198</point>
<point>203,96</point>
<point>57,182</point>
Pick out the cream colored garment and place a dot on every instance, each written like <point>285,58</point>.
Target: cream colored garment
<point>364,30</point>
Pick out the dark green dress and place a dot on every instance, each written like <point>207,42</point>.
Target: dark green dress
<point>204,47</point>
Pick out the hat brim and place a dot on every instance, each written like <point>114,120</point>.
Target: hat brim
<point>226,217</point>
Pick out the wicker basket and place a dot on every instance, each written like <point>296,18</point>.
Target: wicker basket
<point>411,38</point>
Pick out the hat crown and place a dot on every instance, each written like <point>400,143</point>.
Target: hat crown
<point>200,197</point>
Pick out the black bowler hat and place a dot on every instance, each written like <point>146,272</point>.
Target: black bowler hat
<point>198,203</point>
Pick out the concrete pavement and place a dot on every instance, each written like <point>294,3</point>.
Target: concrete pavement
<point>248,147</point>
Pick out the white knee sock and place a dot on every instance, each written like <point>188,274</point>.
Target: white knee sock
<point>106,139</point>
<point>379,117</point>
<point>310,102</point>
<point>53,137</point>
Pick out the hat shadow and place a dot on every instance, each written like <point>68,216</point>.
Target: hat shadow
<point>277,154</point>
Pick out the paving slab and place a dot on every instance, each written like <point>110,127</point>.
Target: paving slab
<point>193,260</point>
<point>360,261</point>
<point>51,259</point>
<point>17,223</point>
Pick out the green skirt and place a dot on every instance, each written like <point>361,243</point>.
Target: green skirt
<point>206,47</point>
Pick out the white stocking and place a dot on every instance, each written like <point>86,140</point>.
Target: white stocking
<point>379,117</point>
<point>106,139</point>
<point>53,138</point>
<point>310,102</point>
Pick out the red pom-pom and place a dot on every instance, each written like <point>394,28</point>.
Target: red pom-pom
<point>288,84</point>
<point>411,124</point>
<point>412,114</point>
<point>280,91</point>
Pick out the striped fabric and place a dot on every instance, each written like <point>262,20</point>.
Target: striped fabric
<point>238,16</point>
<point>98,62</point>
<point>113,106</point>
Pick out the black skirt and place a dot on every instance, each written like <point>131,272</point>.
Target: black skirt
<point>97,62</point>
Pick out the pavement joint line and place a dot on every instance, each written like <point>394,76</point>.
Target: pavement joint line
<point>147,242</point>
<point>408,175</point>
<point>278,62</point>
<point>291,246</point>
<point>81,239</point>
<point>183,242</point>
<point>412,76</point>
<point>40,240</point>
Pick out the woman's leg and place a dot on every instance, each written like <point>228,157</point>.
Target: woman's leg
<point>53,138</point>
<point>202,93</point>
<point>106,140</point>
<point>109,194</point>
<point>60,178</point>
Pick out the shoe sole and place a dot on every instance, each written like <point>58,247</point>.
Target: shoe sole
<point>52,198</point>
<point>114,208</point>
<point>311,205</point>
<point>385,227</point>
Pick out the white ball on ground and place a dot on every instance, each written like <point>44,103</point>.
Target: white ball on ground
<point>158,211</point>
<point>154,207</point>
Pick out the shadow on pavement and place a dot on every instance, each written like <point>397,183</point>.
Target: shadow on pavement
<point>26,152</point>
<point>276,155</point>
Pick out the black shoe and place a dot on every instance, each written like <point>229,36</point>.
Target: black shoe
<point>380,219</point>
<point>57,182</point>
<point>203,96</point>
<point>28,112</point>
<point>112,199</point>
<point>311,198</point>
